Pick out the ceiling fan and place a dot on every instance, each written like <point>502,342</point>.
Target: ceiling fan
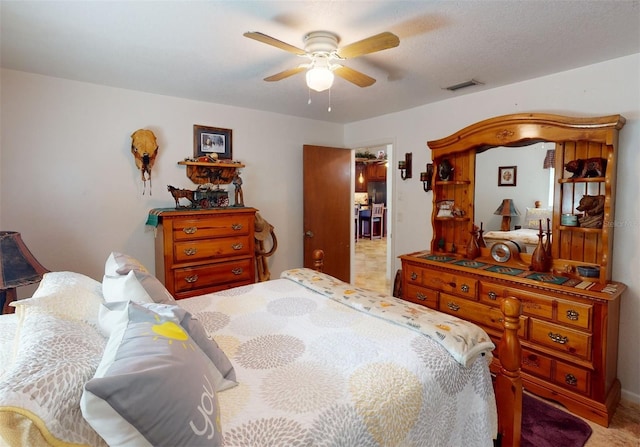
<point>321,48</point>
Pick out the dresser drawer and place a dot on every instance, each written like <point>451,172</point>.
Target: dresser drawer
<point>490,293</point>
<point>421,295</point>
<point>561,338</point>
<point>221,226</point>
<point>536,364</point>
<point>576,314</point>
<point>533,304</point>
<point>446,282</point>
<point>209,275</point>
<point>191,251</point>
<point>413,275</point>
<point>572,377</point>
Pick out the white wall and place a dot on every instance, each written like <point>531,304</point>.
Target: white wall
<point>69,182</point>
<point>602,89</point>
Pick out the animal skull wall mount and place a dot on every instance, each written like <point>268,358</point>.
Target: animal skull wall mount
<point>144,148</point>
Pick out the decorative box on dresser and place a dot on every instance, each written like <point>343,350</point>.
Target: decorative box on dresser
<point>205,250</point>
<point>569,323</point>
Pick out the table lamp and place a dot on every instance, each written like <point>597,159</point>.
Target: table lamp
<point>18,267</point>
<point>506,209</point>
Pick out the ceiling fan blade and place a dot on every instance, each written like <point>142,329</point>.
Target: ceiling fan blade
<point>371,44</point>
<point>284,74</point>
<point>354,76</point>
<point>274,42</point>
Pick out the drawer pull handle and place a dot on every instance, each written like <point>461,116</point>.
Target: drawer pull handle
<point>190,230</point>
<point>453,306</point>
<point>464,288</point>
<point>571,379</point>
<point>236,226</point>
<point>557,338</point>
<point>414,276</point>
<point>421,296</point>
<point>237,246</point>
<point>493,295</point>
<point>191,279</point>
<point>573,315</point>
<point>237,271</point>
<point>190,251</point>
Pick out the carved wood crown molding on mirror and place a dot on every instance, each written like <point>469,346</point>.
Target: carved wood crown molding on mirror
<point>574,138</point>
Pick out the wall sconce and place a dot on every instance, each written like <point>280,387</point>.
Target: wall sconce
<point>405,166</point>
<point>427,177</point>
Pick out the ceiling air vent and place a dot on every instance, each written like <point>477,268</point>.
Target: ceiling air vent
<point>466,84</point>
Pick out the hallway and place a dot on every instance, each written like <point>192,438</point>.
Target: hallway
<point>371,265</point>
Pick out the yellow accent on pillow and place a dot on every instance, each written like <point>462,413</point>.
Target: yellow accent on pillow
<point>20,427</point>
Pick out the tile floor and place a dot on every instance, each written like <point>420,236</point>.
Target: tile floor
<point>370,265</point>
<point>370,272</point>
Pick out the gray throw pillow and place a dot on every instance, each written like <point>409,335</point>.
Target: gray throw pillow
<point>154,386</point>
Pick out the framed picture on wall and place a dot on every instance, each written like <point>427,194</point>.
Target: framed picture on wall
<point>212,140</point>
<point>507,175</point>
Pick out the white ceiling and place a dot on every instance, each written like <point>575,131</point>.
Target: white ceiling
<point>195,49</point>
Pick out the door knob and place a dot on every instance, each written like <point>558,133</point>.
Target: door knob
<point>308,233</point>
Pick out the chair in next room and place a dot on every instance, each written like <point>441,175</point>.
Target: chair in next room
<point>377,217</point>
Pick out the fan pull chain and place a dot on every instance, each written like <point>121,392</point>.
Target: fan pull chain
<point>329,109</point>
<point>309,101</point>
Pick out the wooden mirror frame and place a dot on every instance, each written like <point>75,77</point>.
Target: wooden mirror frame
<point>585,135</point>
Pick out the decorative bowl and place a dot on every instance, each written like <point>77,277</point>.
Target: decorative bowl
<point>588,271</point>
<point>569,220</point>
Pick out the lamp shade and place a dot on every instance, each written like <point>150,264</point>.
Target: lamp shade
<point>18,267</point>
<point>507,208</point>
<point>320,79</point>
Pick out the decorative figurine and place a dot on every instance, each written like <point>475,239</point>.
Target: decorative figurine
<point>144,148</point>
<point>181,194</point>
<point>441,244</point>
<point>239,196</point>
<point>481,241</point>
<point>473,250</point>
<point>593,208</point>
<point>590,167</point>
<point>540,262</point>
<point>445,170</point>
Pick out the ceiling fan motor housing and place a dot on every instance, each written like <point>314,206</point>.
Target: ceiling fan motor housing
<point>321,42</point>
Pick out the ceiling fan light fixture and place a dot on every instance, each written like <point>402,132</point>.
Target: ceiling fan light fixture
<point>320,76</point>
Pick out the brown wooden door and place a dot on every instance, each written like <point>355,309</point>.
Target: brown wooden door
<point>328,208</point>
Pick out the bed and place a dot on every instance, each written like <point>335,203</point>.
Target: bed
<point>526,238</point>
<point>304,360</point>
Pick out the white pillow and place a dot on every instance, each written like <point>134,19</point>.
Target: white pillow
<point>534,216</point>
<point>55,357</point>
<point>121,264</point>
<point>68,295</point>
<point>154,386</point>
<point>141,287</point>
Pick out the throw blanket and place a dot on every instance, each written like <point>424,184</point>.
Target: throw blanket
<point>462,339</point>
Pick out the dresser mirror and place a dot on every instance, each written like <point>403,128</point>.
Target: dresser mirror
<point>470,152</point>
<point>534,182</point>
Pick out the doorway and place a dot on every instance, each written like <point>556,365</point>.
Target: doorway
<point>371,258</point>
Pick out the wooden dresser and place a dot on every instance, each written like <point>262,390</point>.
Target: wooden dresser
<point>204,251</point>
<point>570,318</point>
<point>569,334</point>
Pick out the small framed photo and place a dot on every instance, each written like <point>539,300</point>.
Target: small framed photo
<point>212,140</point>
<point>507,175</point>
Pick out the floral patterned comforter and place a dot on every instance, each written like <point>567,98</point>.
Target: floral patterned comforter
<point>316,370</point>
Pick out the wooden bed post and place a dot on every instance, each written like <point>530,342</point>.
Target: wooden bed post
<point>508,381</point>
<point>318,260</point>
